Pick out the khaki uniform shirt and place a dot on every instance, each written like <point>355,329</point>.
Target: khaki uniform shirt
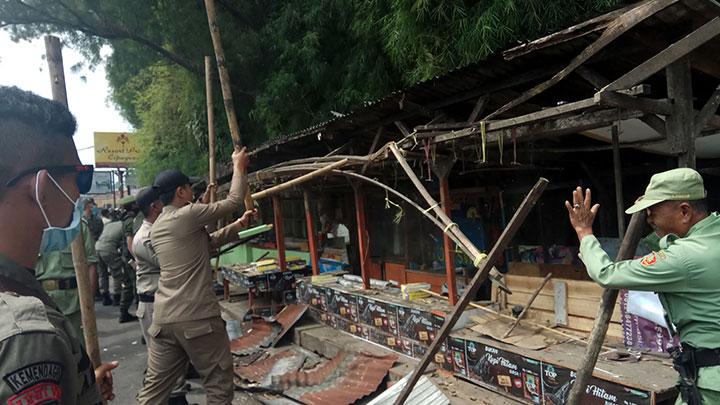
<point>686,273</point>
<point>59,266</point>
<point>112,237</point>
<point>42,360</point>
<point>185,290</point>
<point>148,267</point>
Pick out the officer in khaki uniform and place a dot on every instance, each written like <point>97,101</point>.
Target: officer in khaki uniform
<point>41,178</point>
<point>186,322</point>
<point>684,271</point>
<point>109,251</point>
<point>56,273</point>
<point>148,274</point>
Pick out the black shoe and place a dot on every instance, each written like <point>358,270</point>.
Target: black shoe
<point>178,400</point>
<point>106,301</point>
<point>116,300</point>
<point>126,317</point>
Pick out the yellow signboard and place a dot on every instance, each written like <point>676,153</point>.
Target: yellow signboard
<point>116,149</point>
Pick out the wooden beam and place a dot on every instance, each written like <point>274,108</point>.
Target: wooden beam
<point>707,112</point>
<point>568,34</point>
<point>279,235</point>
<point>312,241</point>
<point>362,235</point>
<point>482,273</point>
<point>448,248</point>
<point>667,56</point>
<point>479,108</point>
<point>681,122</point>
<point>649,105</point>
<point>403,129</point>
<point>618,27</point>
<point>617,176</point>
<point>605,311</point>
<point>372,148</point>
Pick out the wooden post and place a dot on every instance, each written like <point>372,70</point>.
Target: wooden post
<point>362,238</point>
<point>680,124</point>
<point>279,237</point>
<point>447,243</point>
<point>82,273</point>
<point>607,306</point>
<point>312,244</point>
<point>212,176</point>
<point>496,252</point>
<point>617,166</point>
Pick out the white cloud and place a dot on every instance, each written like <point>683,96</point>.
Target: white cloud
<point>23,65</point>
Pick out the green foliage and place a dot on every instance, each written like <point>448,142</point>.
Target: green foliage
<point>292,62</point>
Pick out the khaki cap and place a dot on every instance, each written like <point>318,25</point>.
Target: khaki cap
<point>682,184</point>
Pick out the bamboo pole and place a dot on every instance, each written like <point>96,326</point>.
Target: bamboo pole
<point>53,50</point>
<point>298,180</point>
<point>212,176</point>
<point>225,85</point>
<point>607,306</point>
<point>450,227</point>
<point>527,306</point>
<point>496,252</point>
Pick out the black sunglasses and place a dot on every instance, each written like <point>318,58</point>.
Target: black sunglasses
<point>84,175</point>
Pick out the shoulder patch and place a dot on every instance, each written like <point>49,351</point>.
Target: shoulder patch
<point>34,375</point>
<point>653,258</point>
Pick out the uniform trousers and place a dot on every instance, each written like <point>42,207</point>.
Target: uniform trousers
<point>204,343</point>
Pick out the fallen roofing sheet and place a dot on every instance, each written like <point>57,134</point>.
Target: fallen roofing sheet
<point>262,371</point>
<point>265,333</point>
<point>424,393</point>
<point>261,335</point>
<point>344,379</point>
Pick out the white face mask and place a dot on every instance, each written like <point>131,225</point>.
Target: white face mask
<point>56,238</point>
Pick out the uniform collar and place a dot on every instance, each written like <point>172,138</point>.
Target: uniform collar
<point>20,274</point>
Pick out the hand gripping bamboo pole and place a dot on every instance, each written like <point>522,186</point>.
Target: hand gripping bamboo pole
<point>496,252</point>
<point>607,306</point>
<point>82,273</point>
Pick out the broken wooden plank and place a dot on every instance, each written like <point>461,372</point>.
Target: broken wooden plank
<point>496,252</point>
<point>649,105</point>
<point>372,148</point>
<point>479,108</point>
<point>667,56</point>
<point>560,303</point>
<point>528,304</point>
<point>618,27</point>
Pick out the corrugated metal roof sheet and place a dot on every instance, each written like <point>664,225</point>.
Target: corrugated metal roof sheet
<point>424,393</point>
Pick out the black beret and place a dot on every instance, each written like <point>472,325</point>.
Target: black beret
<point>169,180</point>
<point>146,196</point>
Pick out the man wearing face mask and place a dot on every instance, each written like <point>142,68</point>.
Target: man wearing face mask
<point>186,320</point>
<point>40,182</point>
<point>683,270</point>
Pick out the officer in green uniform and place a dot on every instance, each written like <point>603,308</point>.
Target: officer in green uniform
<point>130,227</point>
<point>56,273</point>
<point>41,359</point>
<point>109,250</point>
<point>683,271</point>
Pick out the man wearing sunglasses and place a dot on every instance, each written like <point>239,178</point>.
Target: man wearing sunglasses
<point>40,182</point>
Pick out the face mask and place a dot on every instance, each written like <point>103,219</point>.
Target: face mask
<point>55,238</point>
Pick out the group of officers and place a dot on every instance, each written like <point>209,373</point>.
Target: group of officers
<point>43,361</point>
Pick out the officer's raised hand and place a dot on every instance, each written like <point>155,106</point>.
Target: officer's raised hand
<point>240,159</point>
<point>582,212</point>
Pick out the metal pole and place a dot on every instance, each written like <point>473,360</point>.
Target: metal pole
<point>82,272</point>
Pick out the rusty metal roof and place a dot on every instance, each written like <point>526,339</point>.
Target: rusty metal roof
<point>344,379</point>
<point>261,335</point>
<point>261,371</point>
<point>288,317</point>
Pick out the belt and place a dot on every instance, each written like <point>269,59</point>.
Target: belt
<point>146,297</point>
<point>703,357</point>
<point>62,284</point>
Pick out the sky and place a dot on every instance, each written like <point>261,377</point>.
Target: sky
<point>22,64</point>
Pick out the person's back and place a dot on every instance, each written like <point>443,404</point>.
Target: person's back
<point>111,238</point>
